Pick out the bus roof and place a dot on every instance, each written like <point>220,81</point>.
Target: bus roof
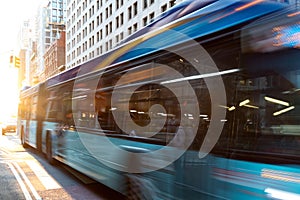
<point>199,18</point>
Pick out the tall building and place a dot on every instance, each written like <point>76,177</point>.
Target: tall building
<point>96,26</point>
<point>92,27</point>
<point>26,36</point>
<point>50,23</point>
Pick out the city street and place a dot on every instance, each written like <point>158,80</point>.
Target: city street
<point>26,175</point>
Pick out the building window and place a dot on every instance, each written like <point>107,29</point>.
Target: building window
<point>117,4</point>
<point>151,16</point>
<point>110,27</point>
<point>129,30</point>
<point>122,19</point>
<point>145,19</point>
<point>135,26</point>
<point>110,44</point>
<point>110,9</point>
<point>172,3</point>
<point>135,9</point>
<point>117,22</point>
<point>106,13</point>
<point>98,5</point>
<point>106,45</point>
<point>164,8</point>
<point>129,12</point>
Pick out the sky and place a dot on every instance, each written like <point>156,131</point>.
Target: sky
<point>12,14</point>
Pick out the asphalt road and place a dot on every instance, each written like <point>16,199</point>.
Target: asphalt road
<point>24,174</point>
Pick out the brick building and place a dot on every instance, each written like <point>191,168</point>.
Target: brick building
<point>55,57</point>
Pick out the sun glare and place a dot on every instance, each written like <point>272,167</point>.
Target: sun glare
<point>17,11</point>
<point>9,93</point>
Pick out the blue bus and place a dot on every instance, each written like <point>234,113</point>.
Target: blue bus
<point>203,103</point>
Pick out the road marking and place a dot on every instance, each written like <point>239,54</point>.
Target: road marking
<point>20,181</point>
<point>4,151</point>
<point>34,192</point>
<point>45,178</point>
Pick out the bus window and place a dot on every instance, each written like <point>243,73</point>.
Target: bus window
<point>53,109</point>
<point>138,104</point>
<point>148,93</point>
<point>84,114</point>
<point>81,104</point>
<point>59,105</point>
<point>104,112</point>
<point>23,109</point>
<point>34,102</point>
<point>53,103</point>
<point>263,120</point>
<point>27,108</point>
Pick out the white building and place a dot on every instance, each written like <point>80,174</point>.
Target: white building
<point>96,26</point>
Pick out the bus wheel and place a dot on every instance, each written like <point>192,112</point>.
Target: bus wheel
<point>23,142</point>
<point>139,188</point>
<point>49,150</point>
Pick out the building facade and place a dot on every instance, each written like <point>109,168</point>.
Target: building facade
<point>92,27</point>
<point>50,23</point>
<point>96,26</point>
<point>34,67</point>
<point>54,57</point>
<point>26,37</point>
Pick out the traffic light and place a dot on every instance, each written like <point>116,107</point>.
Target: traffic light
<point>15,61</point>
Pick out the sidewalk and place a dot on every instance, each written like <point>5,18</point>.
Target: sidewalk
<point>11,145</point>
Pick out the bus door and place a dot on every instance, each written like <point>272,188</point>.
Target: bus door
<point>58,118</point>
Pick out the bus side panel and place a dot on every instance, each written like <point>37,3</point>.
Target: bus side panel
<point>31,134</point>
<point>52,126</point>
<point>249,180</point>
<point>70,149</point>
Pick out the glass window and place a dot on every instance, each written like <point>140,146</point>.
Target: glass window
<point>263,120</point>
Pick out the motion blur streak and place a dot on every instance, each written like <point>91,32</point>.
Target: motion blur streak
<point>248,5</point>
<point>281,175</point>
<point>282,195</point>
<point>294,14</point>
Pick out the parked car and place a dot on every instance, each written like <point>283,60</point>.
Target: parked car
<point>9,126</point>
